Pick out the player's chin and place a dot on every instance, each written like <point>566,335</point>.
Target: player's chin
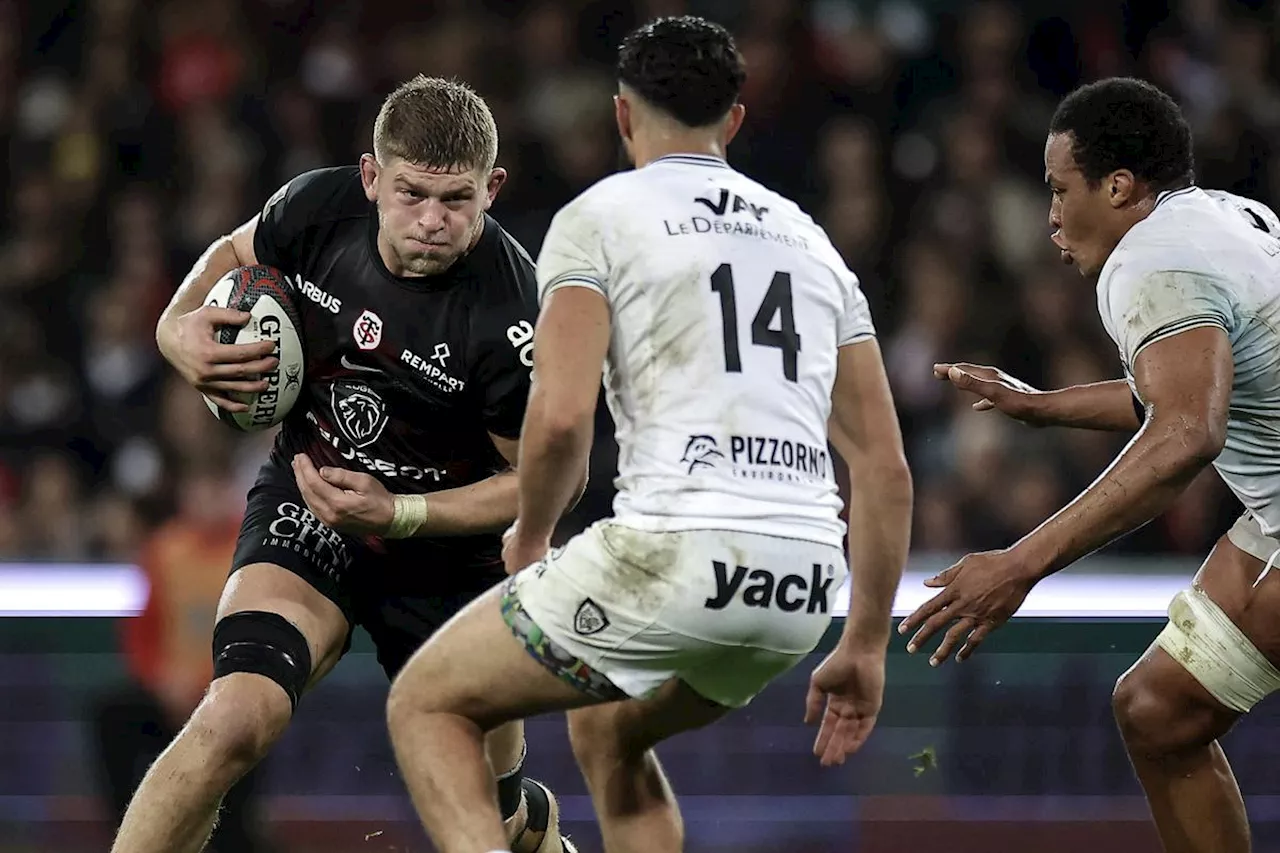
<point>1071,259</point>
<point>427,263</point>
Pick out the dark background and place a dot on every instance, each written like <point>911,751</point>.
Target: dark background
<point>911,129</point>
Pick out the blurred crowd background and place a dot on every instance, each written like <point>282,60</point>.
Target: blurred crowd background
<point>140,130</point>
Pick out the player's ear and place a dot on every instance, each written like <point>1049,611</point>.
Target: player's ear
<point>497,177</point>
<point>733,122</point>
<point>1121,186</point>
<point>369,176</point>
<point>622,114</point>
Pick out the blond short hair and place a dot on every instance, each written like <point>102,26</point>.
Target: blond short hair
<point>431,121</point>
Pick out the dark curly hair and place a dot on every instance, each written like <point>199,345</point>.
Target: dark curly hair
<point>688,67</point>
<point>1125,123</point>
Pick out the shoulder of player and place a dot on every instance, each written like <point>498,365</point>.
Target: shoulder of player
<point>321,195</point>
<point>505,272</point>
<point>800,221</point>
<point>589,218</point>
<point>1137,266</point>
<point>1165,241</point>
<point>609,193</point>
<point>1254,213</point>
<point>780,204</point>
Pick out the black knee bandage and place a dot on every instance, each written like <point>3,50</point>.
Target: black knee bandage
<point>264,644</point>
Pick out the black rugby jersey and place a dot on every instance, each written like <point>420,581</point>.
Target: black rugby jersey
<point>405,377</point>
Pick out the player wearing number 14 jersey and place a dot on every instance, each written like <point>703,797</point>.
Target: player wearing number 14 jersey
<point>733,343</point>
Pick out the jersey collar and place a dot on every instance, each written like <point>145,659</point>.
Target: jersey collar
<point>692,160</point>
<point>1165,195</point>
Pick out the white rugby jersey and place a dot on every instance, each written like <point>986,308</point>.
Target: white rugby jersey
<point>728,304</point>
<point>1210,258</point>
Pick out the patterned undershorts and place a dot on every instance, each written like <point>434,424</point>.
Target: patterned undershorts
<point>545,651</point>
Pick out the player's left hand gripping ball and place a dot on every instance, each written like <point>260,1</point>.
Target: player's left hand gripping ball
<point>979,594</point>
<point>344,500</point>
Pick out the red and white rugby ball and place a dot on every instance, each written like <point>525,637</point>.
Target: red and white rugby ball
<point>271,302</point>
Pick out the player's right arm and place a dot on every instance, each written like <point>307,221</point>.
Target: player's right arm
<point>1108,405</point>
<point>185,333</point>
<point>864,429</point>
<point>275,237</point>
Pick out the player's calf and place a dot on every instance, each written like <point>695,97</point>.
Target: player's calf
<point>261,665</point>
<point>1170,725</point>
<point>613,745</point>
<point>230,731</point>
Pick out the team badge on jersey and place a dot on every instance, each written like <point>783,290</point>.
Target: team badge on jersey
<point>359,411</point>
<point>367,331</point>
<point>589,619</point>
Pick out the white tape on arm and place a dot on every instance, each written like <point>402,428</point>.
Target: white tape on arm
<point>410,514</point>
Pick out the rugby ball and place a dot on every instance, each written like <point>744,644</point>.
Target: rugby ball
<point>270,299</point>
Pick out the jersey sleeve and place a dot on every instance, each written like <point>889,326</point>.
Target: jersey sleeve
<point>855,321</point>
<point>288,216</point>
<point>505,362</point>
<point>1149,305</point>
<point>572,253</point>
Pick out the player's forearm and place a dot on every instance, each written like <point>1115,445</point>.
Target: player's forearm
<point>1098,405</point>
<point>554,453</point>
<point>488,506</point>
<point>1163,458</point>
<point>218,260</point>
<point>880,505</point>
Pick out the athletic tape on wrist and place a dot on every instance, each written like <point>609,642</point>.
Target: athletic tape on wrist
<point>408,517</point>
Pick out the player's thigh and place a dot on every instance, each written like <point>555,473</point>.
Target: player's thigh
<point>273,589</point>
<point>1222,640</point>
<point>400,612</point>
<point>1232,575</point>
<point>289,564</point>
<point>475,666</point>
<point>632,726</point>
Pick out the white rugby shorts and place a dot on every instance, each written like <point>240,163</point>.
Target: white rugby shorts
<point>726,612</point>
<point>1246,534</point>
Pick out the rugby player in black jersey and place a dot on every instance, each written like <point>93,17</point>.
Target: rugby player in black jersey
<point>393,477</point>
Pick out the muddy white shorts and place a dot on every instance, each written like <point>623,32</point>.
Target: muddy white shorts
<point>621,611</point>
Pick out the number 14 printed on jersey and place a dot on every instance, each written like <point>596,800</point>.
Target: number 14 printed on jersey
<point>777,302</point>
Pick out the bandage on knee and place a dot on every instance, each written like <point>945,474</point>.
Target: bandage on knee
<point>1201,638</point>
<point>265,644</point>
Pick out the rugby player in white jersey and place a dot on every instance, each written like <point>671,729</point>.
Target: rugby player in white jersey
<point>1188,286</point>
<point>728,331</point>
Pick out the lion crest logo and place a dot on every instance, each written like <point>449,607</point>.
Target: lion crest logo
<point>360,413</point>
